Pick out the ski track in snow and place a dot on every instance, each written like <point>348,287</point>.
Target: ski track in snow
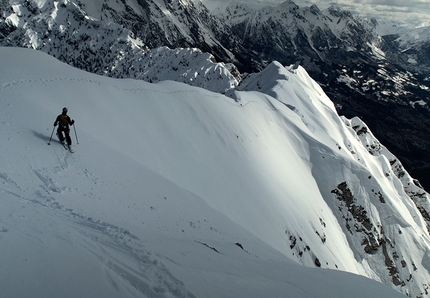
<point>149,277</point>
<point>242,103</point>
<point>145,272</point>
<point>44,81</point>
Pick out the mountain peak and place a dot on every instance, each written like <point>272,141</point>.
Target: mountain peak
<point>314,9</point>
<point>337,11</point>
<point>265,80</point>
<point>289,4</point>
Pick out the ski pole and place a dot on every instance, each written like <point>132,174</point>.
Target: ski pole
<point>49,143</point>
<point>76,135</point>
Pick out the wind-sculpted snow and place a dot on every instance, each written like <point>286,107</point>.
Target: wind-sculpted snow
<point>62,29</point>
<point>176,191</point>
<point>362,182</point>
<point>411,186</point>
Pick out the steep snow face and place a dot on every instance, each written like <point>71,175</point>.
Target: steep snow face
<point>65,31</point>
<point>365,186</point>
<point>201,188</point>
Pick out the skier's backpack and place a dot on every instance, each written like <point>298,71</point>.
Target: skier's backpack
<point>63,120</point>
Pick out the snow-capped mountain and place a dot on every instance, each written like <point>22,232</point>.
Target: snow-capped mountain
<point>176,191</point>
<point>64,30</point>
<point>416,44</point>
<point>314,35</point>
<point>174,24</point>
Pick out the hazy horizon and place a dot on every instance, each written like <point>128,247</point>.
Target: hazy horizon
<point>415,12</point>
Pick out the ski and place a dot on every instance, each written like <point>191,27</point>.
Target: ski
<point>67,147</point>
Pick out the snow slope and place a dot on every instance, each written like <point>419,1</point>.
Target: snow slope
<point>175,191</point>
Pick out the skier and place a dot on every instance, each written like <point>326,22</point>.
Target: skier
<point>63,122</point>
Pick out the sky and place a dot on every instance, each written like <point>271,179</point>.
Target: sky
<point>414,12</point>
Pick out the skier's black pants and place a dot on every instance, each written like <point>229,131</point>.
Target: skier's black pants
<point>66,131</point>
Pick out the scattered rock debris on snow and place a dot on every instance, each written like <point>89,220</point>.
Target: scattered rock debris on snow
<point>374,238</point>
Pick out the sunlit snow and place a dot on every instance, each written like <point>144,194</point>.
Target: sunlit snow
<point>176,191</point>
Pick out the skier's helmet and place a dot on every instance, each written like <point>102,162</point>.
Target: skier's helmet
<point>65,110</point>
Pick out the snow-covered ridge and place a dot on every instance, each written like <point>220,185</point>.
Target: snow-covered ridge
<point>200,188</point>
<point>363,202</point>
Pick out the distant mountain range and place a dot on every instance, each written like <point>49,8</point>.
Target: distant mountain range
<point>382,79</point>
